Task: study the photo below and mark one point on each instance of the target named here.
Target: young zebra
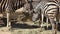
(49, 9)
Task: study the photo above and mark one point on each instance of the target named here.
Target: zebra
(51, 12)
(5, 7)
(9, 6)
(49, 9)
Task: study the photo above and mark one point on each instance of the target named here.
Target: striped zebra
(9, 6)
(5, 7)
(13, 5)
(49, 9)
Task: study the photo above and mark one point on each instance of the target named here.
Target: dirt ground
(32, 31)
(4, 30)
(25, 30)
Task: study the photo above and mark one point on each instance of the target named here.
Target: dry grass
(32, 31)
(5, 30)
(26, 31)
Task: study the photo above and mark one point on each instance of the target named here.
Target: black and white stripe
(11, 4)
(3, 5)
(49, 9)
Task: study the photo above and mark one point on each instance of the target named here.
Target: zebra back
(46, 9)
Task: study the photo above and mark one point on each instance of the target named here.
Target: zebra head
(35, 15)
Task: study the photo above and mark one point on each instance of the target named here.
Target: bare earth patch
(4, 30)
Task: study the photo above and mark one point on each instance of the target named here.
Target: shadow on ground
(3, 23)
(50, 27)
(26, 26)
(23, 26)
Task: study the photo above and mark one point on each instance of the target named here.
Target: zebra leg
(56, 25)
(8, 23)
(53, 25)
(42, 21)
(47, 23)
(7, 19)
